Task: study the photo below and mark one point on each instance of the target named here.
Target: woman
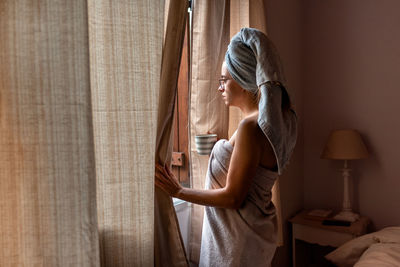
(239, 226)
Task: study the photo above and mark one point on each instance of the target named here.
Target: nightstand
(311, 230)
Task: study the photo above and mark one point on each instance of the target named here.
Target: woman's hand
(166, 180)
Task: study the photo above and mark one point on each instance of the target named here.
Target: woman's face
(230, 89)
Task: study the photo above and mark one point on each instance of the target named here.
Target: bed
(381, 248)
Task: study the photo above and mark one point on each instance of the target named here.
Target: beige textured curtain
(207, 110)
(47, 169)
(169, 249)
(79, 90)
(126, 38)
(214, 23)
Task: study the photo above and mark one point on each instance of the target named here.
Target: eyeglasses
(222, 82)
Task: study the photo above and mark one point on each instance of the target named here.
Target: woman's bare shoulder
(250, 126)
(247, 127)
(250, 131)
(257, 140)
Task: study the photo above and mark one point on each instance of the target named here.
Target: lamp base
(347, 216)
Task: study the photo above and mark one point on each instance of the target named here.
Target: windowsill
(180, 204)
(178, 201)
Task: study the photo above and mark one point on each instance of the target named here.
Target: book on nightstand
(318, 214)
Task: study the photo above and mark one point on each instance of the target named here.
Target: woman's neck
(248, 108)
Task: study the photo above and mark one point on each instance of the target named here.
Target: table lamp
(345, 145)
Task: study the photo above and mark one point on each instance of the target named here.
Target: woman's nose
(221, 89)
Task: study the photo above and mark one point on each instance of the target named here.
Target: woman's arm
(213, 197)
(245, 159)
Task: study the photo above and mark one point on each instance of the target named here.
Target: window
(180, 154)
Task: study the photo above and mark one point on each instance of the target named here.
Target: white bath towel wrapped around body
(242, 237)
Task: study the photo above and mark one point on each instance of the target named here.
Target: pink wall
(342, 58)
(351, 72)
(284, 28)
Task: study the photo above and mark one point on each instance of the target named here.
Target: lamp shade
(344, 145)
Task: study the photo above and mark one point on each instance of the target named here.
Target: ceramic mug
(205, 143)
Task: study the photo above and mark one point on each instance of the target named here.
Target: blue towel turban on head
(253, 62)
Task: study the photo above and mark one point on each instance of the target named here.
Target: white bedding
(381, 248)
(380, 254)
